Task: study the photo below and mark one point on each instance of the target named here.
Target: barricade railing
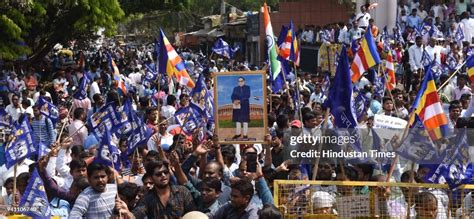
(355, 199)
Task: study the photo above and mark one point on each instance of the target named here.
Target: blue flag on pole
(22, 144)
(459, 35)
(203, 98)
(107, 118)
(361, 103)
(340, 99)
(134, 129)
(81, 93)
(5, 119)
(48, 109)
(455, 167)
(222, 48)
(190, 118)
(35, 198)
(425, 58)
(108, 152)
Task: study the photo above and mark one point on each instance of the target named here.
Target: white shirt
(37, 95)
(94, 89)
(21, 168)
(308, 36)
(166, 139)
(468, 27)
(168, 111)
(14, 112)
(434, 51)
(457, 93)
(81, 135)
(319, 98)
(135, 78)
(415, 54)
(364, 19)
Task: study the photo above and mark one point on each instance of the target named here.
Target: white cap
(258, 148)
(322, 199)
(195, 215)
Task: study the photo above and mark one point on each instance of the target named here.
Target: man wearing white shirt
(363, 17)
(78, 126)
(415, 53)
(317, 96)
(94, 88)
(468, 26)
(433, 50)
(15, 109)
(169, 110)
(461, 89)
(166, 139)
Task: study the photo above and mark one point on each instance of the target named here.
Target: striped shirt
(91, 204)
(43, 131)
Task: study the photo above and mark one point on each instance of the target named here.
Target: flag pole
(320, 146)
(452, 75)
(299, 96)
(395, 160)
(64, 124)
(14, 185)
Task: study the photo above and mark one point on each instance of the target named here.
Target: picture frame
(237, 104)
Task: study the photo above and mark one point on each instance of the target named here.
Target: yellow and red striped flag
(390, 68)
(365, 58)
(429, 110)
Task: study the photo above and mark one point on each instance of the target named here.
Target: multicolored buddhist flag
(428, 108)
(365, 58)
(470, 68)
(171, 63)
(390, 70)
(117, 76)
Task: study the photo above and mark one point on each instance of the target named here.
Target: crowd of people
(172, 174)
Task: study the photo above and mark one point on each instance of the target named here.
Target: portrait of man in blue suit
(241, 108)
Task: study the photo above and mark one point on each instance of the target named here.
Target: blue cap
(90, 141)
(165, 147)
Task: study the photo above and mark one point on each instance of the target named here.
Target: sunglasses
(160, 173)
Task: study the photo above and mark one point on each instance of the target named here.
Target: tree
(33, 28)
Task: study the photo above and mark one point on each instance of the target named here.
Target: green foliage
(43, 23)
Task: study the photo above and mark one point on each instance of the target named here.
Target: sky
(226, 84)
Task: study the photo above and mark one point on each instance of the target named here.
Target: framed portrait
(241, 114)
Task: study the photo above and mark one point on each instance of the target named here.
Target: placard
(355, 206)
(387, 126)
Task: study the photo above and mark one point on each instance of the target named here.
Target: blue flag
(22, 144)
(49, 110)
(135, 129)
(326, 85)
(385, 39)
(81, 93)
(108, 152)
(190, 118)
(360, 104)
(203, 98)
(222, 48)
(417, 146)
(459, 35)
(35, 198)
(451, 62)
(425, 58)
(455, 167)
(398, 34)
(107, 118)
(5, 119)
(340, 99)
